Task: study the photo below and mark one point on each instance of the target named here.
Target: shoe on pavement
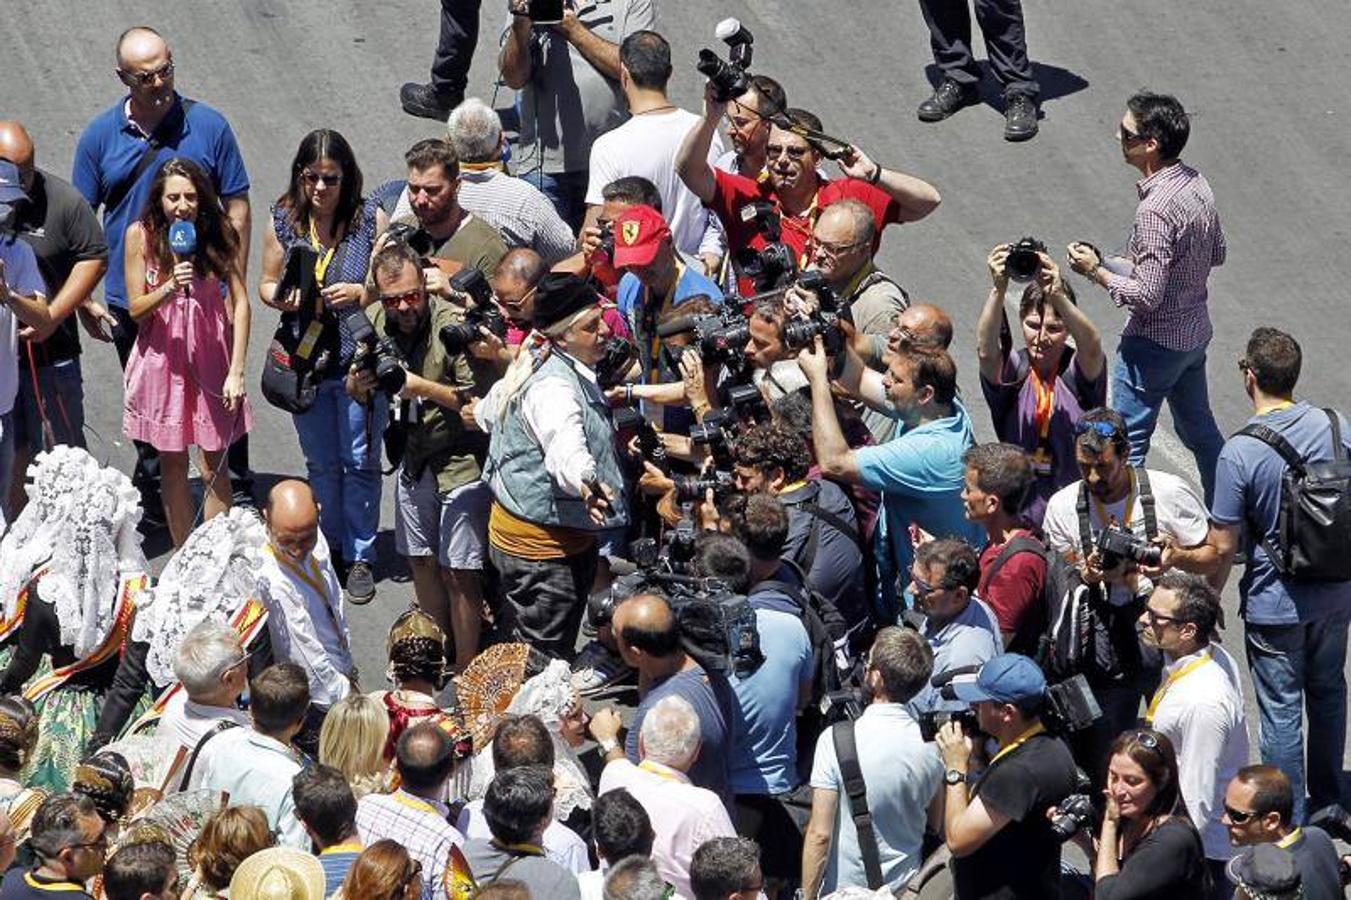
(360, 583)
(1020, 118)
(426, 102)
(947, 98)
(598, 668)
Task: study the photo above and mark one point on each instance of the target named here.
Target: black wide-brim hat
(559, 296)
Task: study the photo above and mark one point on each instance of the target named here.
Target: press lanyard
(1031, 732)
(1129, 508)
(659, 770)
(1175, 677)
(655, 357)
(518, 849)
(1289, 839)
(795, 486)
(325, 255)
(316, 581)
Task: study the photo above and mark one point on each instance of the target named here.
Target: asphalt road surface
(1270, 132)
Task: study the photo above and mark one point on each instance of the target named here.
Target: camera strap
(157, 142)
(846, 754)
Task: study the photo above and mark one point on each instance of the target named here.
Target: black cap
(560, 295)
(1264, 869)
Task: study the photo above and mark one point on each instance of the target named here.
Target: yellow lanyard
(655, 377)
(405, 799)
(316, 581)
(325, 256)
(1172, 679)
(1284, 404)
(1021, 739)
(659, 770)
(1127, 511)
(518, 849)
(1289, 839)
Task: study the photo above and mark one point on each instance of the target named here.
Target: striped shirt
(1175, 241)
(518, 210)
(337, 861)
(421, 826)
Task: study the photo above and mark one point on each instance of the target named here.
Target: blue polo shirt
(970, 639)
(629, 300)
(110, 148)
(23, 277)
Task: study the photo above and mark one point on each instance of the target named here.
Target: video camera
(1069, 706)
(379, 356)
(730, 79)
(775, 265)
(483, 313)
(720, 337)
(1116, 545)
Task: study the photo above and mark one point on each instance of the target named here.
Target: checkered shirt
(421, 826)
(1175, 241)
(518, 210)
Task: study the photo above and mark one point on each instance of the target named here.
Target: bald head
(424, 758)
(293, 518)
(17, 147)
(647, 631)
(846, 221)
(923, 326)
(521, 264)
(140, 44)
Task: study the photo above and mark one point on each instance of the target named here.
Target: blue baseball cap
(11, 189)
(1008, 678)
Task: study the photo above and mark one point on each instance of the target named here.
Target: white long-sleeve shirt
(1202, 714)
(307, 623)
(553, 414)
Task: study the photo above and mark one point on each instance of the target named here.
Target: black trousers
(1001, 23)
(544, 599)
(455, 49)
(146, 474)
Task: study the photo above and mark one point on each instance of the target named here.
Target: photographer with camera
(1147, 846)
(996, 824)
(441, 503)
(1037, 394)
(899, 773)
(1199, 705)
(563, 60)
(1259, 808)
(553, 467)
(747, 119)
(1122, 527)
(793, 188)
(960, 627)
(920, 473)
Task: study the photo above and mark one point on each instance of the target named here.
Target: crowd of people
(660, 429)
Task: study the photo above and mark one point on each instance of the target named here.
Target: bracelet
(628, 394)
(876, 176)
(608, 745)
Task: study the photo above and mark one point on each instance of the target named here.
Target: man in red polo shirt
(793, 184)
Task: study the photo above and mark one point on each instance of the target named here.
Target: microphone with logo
(183, 242)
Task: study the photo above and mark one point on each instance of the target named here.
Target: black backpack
(827, 630)
(1060, 648)
(1313, 526)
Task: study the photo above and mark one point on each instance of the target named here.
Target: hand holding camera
(995, 262)
(954, 745)
(1084, 258)
(814, 362)
(854, 163)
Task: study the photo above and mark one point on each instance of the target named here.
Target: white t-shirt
(647, 145)
(1177, 508)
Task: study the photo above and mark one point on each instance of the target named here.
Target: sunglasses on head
(1102, 429)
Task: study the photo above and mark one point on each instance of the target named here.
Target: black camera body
(720, 337)
(799, 333)
(1022, 262)
(1070, 706)
(775, 265)
(650, 446)
(731, 78)
(618, 357)
(931, 722)
(459, 337)
(379, 356)
(607, 241)
(417, 238)
(1073, 814)
(1116, 545)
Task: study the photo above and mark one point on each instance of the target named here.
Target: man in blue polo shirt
(1295, 632)
(961, 629)
(116, 160)
(920, 472)
(656, 280)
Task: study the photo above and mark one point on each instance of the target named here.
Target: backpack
(827, 630)
(1313, 524)
(805, 558)
(1059, 650)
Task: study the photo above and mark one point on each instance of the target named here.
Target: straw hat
(278, 873)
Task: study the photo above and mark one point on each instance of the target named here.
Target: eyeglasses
(1102, 429)
(313, 179)
(1238, 816)
(101, 843)
(394, 301)
(835, 251)
(1125, 135)
(1155, 618)
(922, 588)
(794, 153)
(164, 72)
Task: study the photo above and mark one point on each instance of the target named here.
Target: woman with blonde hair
(228, 838)
(352, 740)
(384, 871)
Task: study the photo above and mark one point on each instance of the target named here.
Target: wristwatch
(954, 776)
(608, 745)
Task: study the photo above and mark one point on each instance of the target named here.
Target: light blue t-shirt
(971, 639)
(1248, 489)
(902, 773)
(919, 474)
(764, 718)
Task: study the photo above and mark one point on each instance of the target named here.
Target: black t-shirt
(1316, 858)
(1023, 859)
(1167, 864)
(62, 229)
(24, 885)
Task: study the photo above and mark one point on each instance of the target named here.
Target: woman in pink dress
(185, 377)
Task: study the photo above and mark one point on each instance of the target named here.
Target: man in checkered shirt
(415, 815)
(1175, 241)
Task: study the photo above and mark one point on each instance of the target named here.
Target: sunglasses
(1125, 135)
(1102, 429)
(1148, 740)
(394, 301)
(1237, 816)
(922, 588)
(313, 179)
(835, 251)
(165, 71)
(1156, 618)
(774, 151)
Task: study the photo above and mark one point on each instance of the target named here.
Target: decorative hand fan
(181, 817)
(485, 689)
(148, 756)
(457, 878)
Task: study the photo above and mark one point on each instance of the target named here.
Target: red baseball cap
(639, 231)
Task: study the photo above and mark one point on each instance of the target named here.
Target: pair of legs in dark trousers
(1001, 23)
(455, 49)
(543, 600)
(146, 474)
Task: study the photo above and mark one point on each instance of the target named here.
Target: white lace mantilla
(210, 577)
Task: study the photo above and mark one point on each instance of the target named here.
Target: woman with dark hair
(385, 871)
(106, 779)
(1148, 848)
(1037, 394)
(323, 210)
(185, 375)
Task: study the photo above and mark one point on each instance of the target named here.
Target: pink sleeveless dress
(177, 370)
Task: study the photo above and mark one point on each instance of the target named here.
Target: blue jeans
(1294, 668)
(345, 478)
(565, 190)
(1145, 375)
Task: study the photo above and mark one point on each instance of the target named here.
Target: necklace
(655, 109)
